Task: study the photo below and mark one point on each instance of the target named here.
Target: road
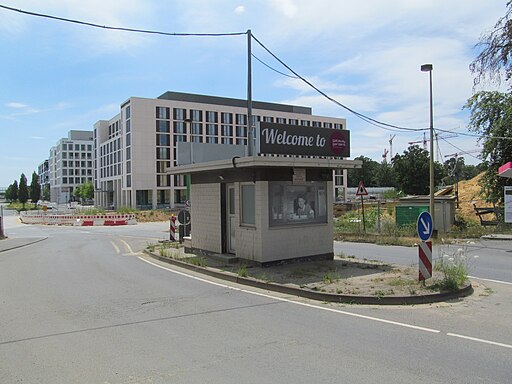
(85, 306)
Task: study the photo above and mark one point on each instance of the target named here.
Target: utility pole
(250, 135)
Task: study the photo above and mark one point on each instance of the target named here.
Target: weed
(331, 277)
(242, 271)
(151, 247)
(199, 261)
(454, 267)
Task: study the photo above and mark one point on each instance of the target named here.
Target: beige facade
(135, 150)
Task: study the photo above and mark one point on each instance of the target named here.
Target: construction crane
(438, 136)
(385, 155)
(424, 141)
(391, 137)
(456, 155)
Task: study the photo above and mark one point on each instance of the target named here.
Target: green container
(408, 214)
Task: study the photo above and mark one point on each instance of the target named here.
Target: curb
(319, 296)
(22, 245)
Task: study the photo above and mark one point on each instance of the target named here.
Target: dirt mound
(152, 216)
(470, 192)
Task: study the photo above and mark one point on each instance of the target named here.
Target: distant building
(70, 165)
(135, 150)
(43, 172)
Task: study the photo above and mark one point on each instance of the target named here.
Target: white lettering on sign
(273, 136)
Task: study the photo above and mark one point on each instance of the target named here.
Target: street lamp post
(428, 68)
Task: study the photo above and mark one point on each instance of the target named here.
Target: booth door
(230, 218)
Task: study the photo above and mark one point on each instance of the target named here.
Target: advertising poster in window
(297, 204)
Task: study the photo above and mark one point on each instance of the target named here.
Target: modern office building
(43, 172)
(135, 150)
(70, 165)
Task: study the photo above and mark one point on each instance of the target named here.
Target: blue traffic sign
(425, 226)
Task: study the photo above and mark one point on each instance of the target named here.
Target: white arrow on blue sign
(425, 226)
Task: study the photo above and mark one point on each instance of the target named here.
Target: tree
(368, 173)
(88, 191)
(495, 56)
(491, 117)
(77, 192)
(46, 192)
(23, 190)
(35, 188)
(412, 171)
(11, 194)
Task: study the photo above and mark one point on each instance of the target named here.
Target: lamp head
(427, 67)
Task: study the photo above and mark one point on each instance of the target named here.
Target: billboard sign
(284, 139)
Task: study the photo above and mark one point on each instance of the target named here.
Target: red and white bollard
(172, 228)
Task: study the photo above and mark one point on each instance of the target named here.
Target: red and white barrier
(425, 260)
(78, 220)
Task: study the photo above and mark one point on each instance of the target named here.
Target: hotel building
(135, 150)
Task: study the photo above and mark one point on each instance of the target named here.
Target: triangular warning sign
(361, 190)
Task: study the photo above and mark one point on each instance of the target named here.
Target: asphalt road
(84, 306)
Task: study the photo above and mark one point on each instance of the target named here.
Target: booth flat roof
(264, 162)
(505, 170)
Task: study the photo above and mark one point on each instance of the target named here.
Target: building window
(128, 181)
(241, 141)
(179, 114)
(227, 130)
(162, 112)
(227, 118)
(293, 122)
(196, 115)
(227, 140)
(127, 112)
(197, 128)
(163, 140)
(128, 153)
(128, 126)
(128, 140)
(280, 120)
(211, 129)
(128, 167)
(180, 127)
(305, 123)
(163, 126)
(178, 138)
(241, 119)
(163, 153)
(268, 119)
(197, 139)
(241, 131)
(338, 126)
(297, 204)
(248, 201)
(327, 125)
(212, 139)
(212, 117)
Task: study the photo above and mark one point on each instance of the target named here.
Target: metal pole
(2, 235)
(432, 186)
(250, 137)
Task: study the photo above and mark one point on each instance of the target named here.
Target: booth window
(297, 204)
(248, 204)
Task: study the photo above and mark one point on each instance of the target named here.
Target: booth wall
(206, 217)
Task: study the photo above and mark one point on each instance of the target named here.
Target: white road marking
(127, 246)
(480, 340)
(115, 247)
(296, 302)
(491, 280)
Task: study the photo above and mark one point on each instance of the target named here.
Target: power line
(118, 28)
(273, 69)
(460, 149)
(368, 119)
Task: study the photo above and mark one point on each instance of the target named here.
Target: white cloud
(239, 10)
(16, 105)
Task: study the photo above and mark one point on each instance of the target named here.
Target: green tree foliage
(23, 192)
(35, 188)
(491, 117)
(369, 173)
(88, 191)
(495, 55)
(456, 170)
(11, 194)
(46, 192)
(412, 171)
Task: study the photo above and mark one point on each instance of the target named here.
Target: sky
(366, 54)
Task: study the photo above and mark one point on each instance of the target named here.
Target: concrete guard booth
(274, 205)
